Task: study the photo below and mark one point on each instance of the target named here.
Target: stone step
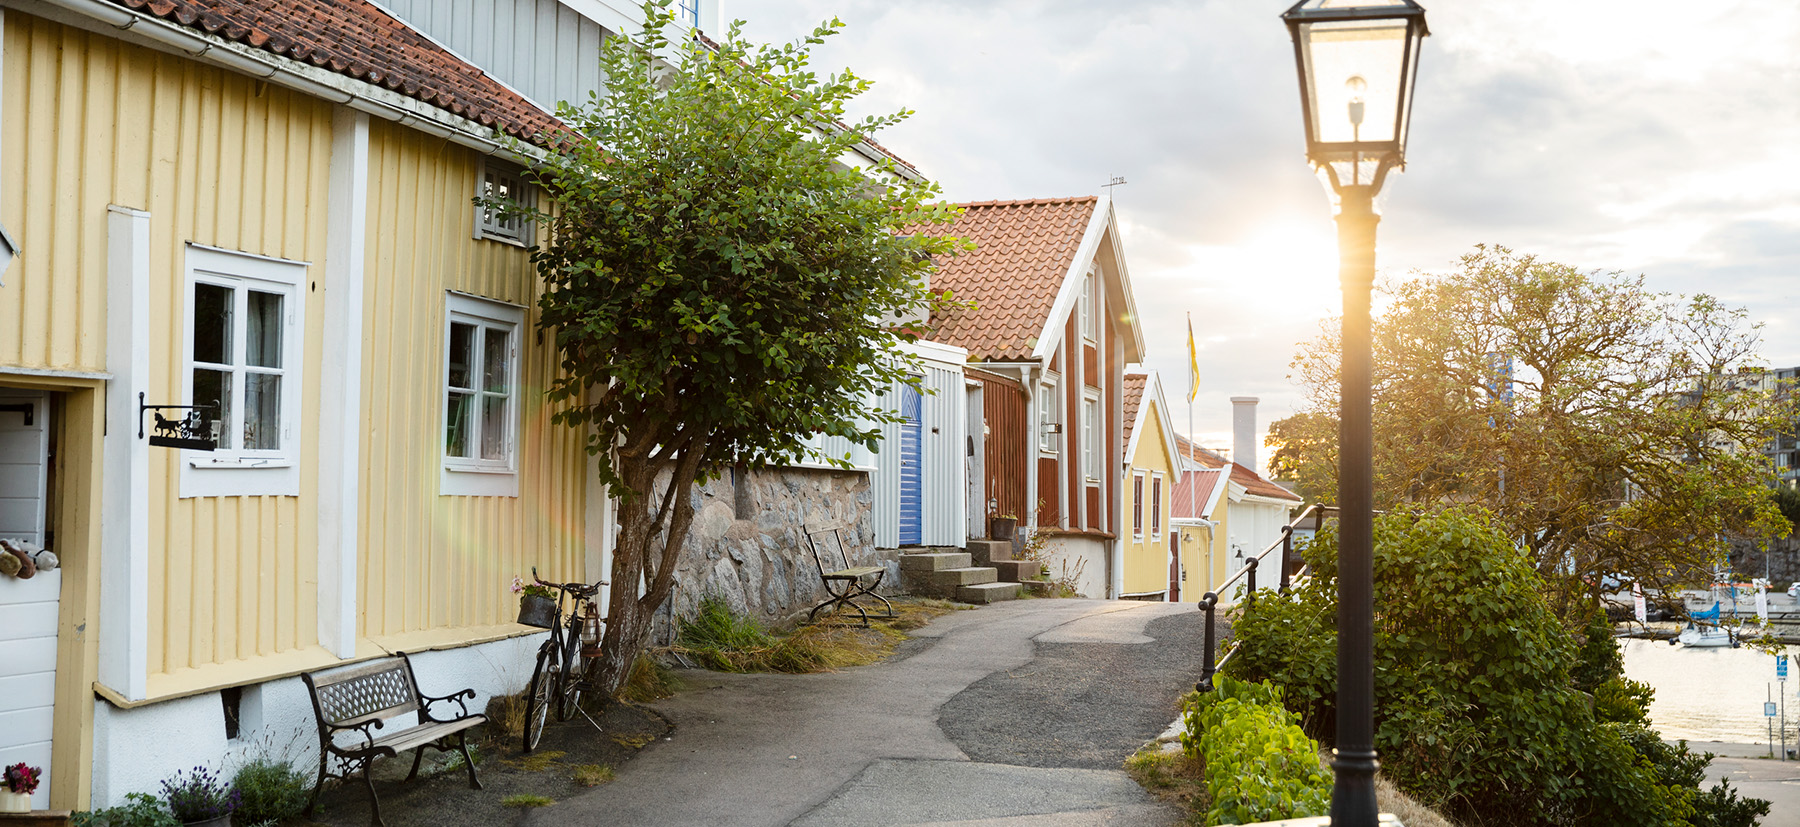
(987, 592)
(988, 552)
(1041, 588)
(947, 579)
(935, 561)
(1015, 571)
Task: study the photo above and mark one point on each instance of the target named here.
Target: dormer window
(502, 180)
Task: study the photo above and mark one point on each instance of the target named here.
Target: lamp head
(1358, 60)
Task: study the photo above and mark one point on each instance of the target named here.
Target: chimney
(1243, 431)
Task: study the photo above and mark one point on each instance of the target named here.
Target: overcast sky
(1650, 137)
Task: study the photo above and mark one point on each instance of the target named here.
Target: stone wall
(746, 544)
(1781, 560)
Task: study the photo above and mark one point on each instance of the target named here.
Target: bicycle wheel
(540, 694)
(569, 694)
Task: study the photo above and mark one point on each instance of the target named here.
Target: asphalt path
(1013, 715)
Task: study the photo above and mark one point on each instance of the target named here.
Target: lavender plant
(199, 794)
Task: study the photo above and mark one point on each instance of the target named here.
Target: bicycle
(563, 660)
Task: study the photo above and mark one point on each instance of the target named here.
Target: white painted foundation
(135, 749)
(1090, 554)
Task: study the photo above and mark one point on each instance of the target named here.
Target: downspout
(1028, 380)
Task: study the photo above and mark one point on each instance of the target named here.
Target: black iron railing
(1313, 516)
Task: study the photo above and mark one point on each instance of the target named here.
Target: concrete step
(948, 579)
(1014, 571)
(934, 561)
(987, 592)
(988, 552)
(1041, 588)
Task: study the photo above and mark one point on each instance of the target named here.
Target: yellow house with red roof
(1151, 465)
(1225, 513)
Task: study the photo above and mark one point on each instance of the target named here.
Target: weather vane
(1116, 180)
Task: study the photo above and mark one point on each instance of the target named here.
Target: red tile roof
(355, 39)
(1193, 491)
(1023, 251)
(1252, 482)
(1134, 395)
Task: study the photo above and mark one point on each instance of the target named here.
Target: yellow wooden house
(218, 205)
(1150, 570)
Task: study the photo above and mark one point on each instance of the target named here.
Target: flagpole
(1193, 390)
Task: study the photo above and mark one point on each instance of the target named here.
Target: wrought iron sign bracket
(193, 431)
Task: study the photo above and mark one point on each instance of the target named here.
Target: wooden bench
(363, 698)
(843, 581)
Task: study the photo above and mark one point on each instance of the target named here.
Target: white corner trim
(125, 490)
(1070, 291)
(340, 390)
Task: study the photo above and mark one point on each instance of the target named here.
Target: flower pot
(215, 821)
(537, 610)
(11, 802)
(1001, 528)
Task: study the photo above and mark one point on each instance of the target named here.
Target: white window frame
(1090, 436)
(1048, 405)
(241, 472)
(473, 476)
(1137, 505)
(488, 226)
(1090, 308)
(1157, 512)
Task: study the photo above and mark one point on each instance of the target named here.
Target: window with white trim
(1156, 509)
(1090, 438)
(502, 180)
(1137, 505)
(241, 365)
(481, 396)
(1090, 308)
(1047, 419)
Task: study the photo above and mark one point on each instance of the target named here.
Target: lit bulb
(1355, 86)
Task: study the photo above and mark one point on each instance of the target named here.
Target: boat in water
(1702, 629)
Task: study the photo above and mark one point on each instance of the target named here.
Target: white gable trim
(1066, 296)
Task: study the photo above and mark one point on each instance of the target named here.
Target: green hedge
(1260, 766)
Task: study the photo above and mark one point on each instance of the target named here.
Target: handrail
(1210, 601)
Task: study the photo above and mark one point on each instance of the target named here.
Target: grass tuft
(592, 775)
(526, 800)
(1171, 775)
(633, 741)
(649, 681)
(540, 761)
(726, 641)
(506, 716)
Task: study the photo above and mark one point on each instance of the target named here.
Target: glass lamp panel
(1341, 5)
(462, 355)
(213, 310)
(262, 411)
(262, 334)
(213, 388)
(1349, 62)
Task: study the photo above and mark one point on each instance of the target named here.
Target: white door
(27, 607)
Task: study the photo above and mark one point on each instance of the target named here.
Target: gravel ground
(1079, 705)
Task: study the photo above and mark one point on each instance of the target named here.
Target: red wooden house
(1048, 340)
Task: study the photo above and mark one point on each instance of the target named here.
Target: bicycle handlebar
(576, 589)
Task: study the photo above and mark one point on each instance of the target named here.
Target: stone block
(935, 561)
(987, 592)
(987, 552)
(948, 579)
(1014, 571)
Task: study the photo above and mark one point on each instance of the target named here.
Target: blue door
(912, 478)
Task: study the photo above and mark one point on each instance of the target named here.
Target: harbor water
(1713, 694)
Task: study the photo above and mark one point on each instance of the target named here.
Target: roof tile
(1023, 251)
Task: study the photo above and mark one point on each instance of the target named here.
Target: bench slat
(859, 571)
(426, 733)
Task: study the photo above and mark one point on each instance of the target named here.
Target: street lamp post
(1357, 63)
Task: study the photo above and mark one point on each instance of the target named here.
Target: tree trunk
(639, 560)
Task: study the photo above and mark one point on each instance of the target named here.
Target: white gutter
(310, 80)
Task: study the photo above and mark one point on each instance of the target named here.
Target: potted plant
(537, 604)
(199, 798)
(1002, 526)
(17, 786)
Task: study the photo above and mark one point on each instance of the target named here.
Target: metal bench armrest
(365, 729)
(425, 702)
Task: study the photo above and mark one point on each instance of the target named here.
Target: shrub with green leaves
(139, 810)
(1486, 708)
(1260, 766)
(272, 791)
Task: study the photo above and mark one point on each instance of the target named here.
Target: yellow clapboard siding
(436, 562)
(1147, 560)
(216, 159)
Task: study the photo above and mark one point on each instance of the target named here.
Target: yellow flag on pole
(1193, 362)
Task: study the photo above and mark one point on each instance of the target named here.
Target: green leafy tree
(720, 286)
(1626, 439)
(1486, 708)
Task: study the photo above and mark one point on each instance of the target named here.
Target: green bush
(139, 810)
(272, 791)
(1260, 766)
(1486, 708)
